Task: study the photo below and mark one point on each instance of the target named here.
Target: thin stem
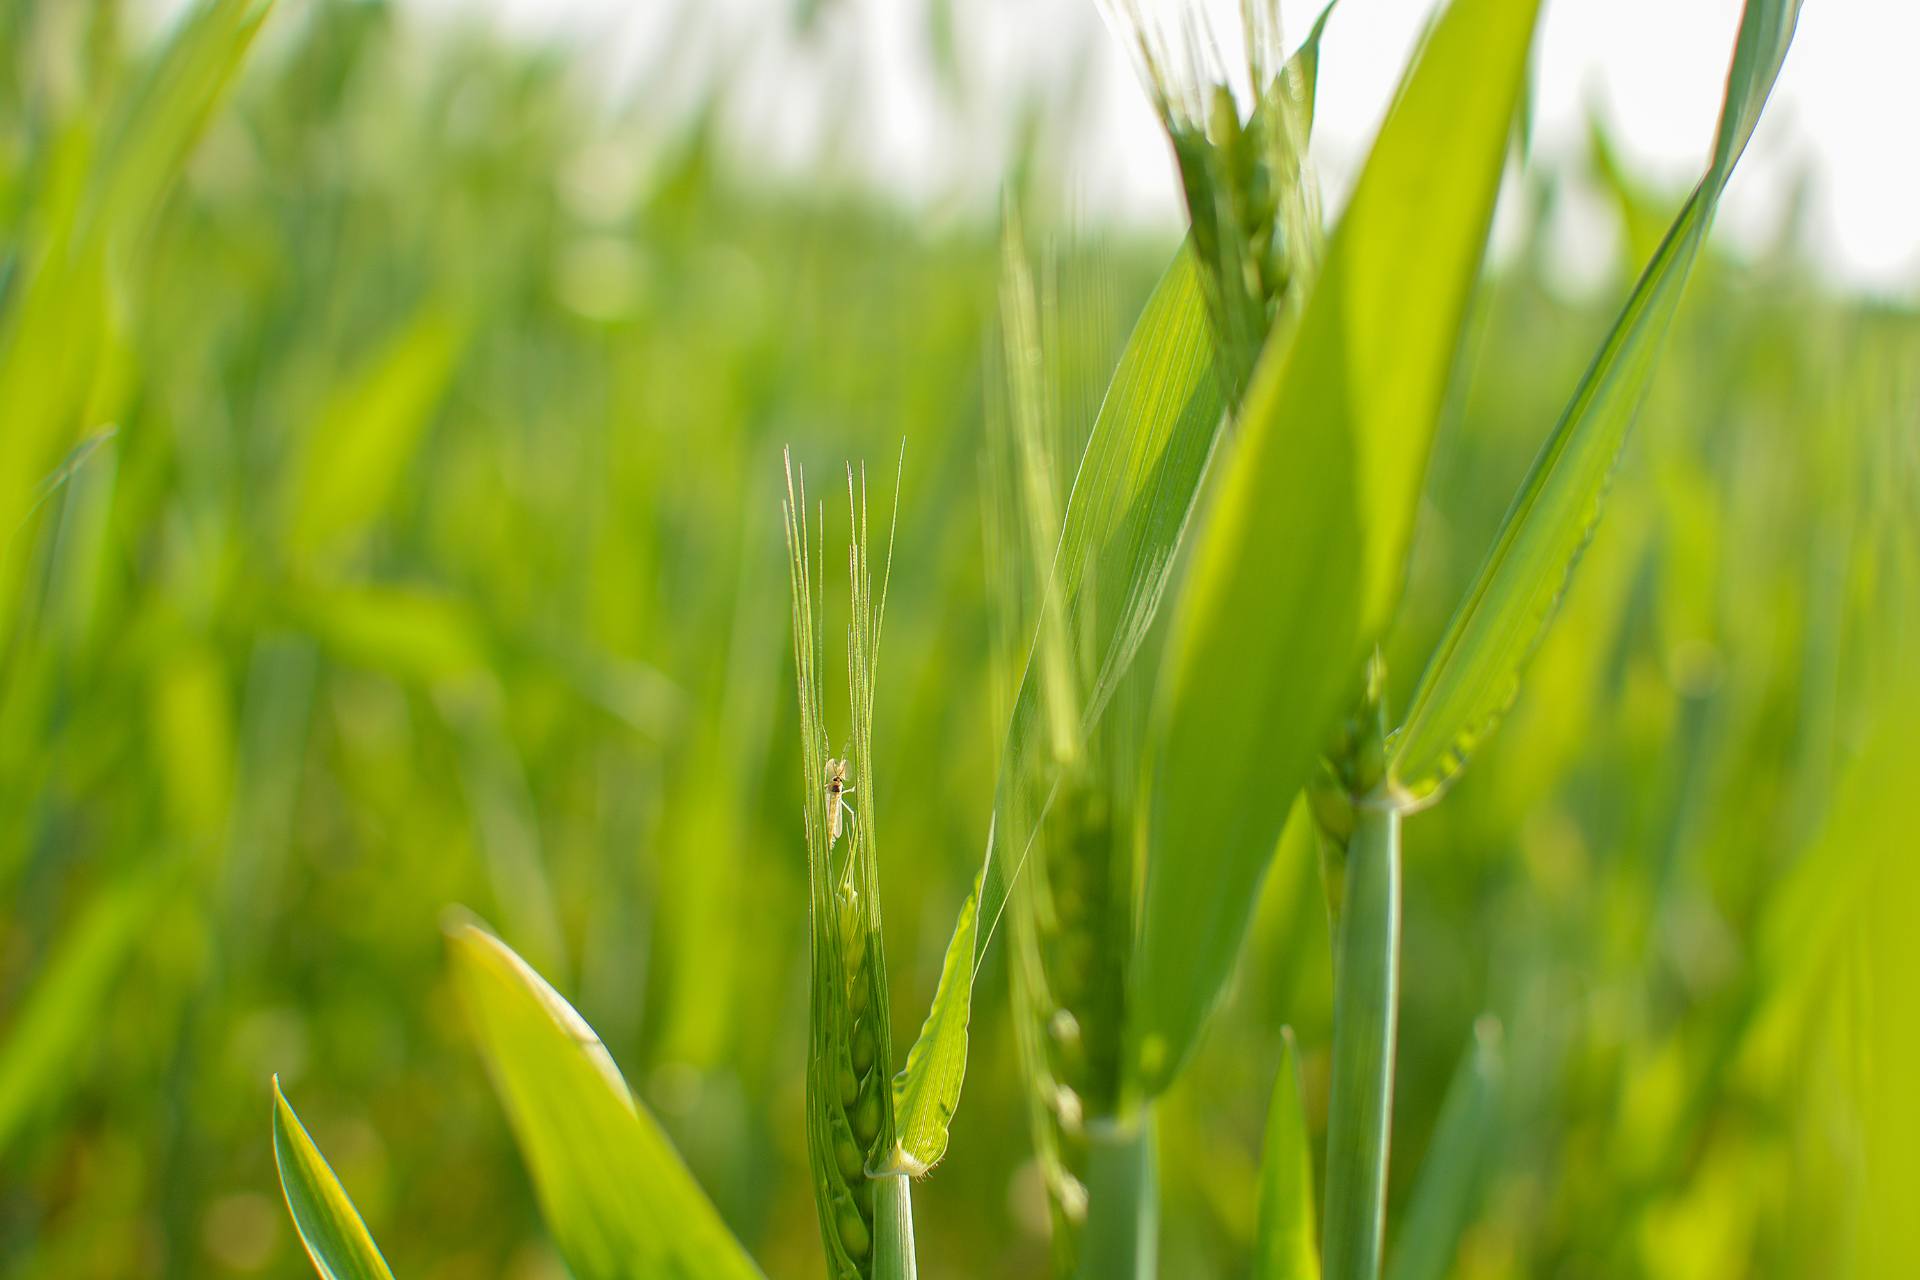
(1366, 1006)
(1122, 1237)
(893, 1228)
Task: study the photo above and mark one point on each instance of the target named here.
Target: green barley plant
(617, 1199)
(862, 1191)
(387, 432)
(1072, 911)
(1299, 560)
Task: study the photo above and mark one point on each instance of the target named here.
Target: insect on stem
(838, 788)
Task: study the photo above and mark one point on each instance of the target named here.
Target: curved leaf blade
(331, 1229)
(926, 1091)
(1131, 497)
(1455, 1168)
(1474, 674)
(1283, 1247)
(1297, 570)
(615, 1194)
(1130, 502)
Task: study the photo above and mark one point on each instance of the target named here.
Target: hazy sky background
(1846, 112)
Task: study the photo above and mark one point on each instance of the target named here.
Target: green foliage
(57, 1017)
(859, 1168)
(1474, 675)
(330, 1227)
(530, 660)
(614, 1193)
(1283, 1247)
(1452, 1174)
(1267, 648)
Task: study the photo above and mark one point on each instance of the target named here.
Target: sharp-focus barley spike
(850, 1123)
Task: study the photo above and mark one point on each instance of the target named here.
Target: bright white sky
(1847, 109)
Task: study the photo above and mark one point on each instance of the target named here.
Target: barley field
(1389, 764)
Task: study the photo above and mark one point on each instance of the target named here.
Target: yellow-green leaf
(364, 437)
(1474, 674)
(335, 1237)
(620, 1203)
(1299, 564)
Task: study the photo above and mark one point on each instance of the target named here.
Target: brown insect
(837, 789)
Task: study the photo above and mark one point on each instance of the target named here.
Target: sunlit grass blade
(1130, 500)
(1131, 497)
(618, 1199)
(860, 1174)
(331, 1229)
(1474, 674)
(1298, 566)
(926, 1092)
(1456, 1165)
(1283, 1243)
(362, 439)
(58, 330)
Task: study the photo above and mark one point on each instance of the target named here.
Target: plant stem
(1122, 1238)
(893, 1228)
(1366, 1006)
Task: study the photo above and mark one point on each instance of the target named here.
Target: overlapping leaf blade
(57, 330)
(331, 1229)
(1456, 1162)
(618, 1199)
(1130, 501)
(1474, 674)
(1300, 563)
(1283, 1246)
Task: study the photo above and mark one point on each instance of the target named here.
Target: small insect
(837, 789)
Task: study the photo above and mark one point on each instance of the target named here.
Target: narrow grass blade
(336, 1239)
(927, 1089)
(1365, 1014)
(46, 1037)
(1131, 497)
(619, 1201)
(1456, 1163)
(57, 321)
(1298, 567)
(361, 442)
(1474, 674)
(1130, 502)
(1283, 1244)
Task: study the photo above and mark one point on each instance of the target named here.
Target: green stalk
(893, 1228)
(1366, 1006)
(1123, 1203)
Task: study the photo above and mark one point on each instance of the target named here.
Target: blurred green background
(389, 459)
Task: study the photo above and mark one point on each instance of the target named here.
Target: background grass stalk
(1366, 1007)
(1122, 1236)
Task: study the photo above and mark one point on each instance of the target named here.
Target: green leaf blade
(1131, 497)
(330, 1228)
(1474, 675)
(1130, 502)
(1298, 568)
(926, 1092)
(618, 1199)
(1455, 1168)
(1284, 1246)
